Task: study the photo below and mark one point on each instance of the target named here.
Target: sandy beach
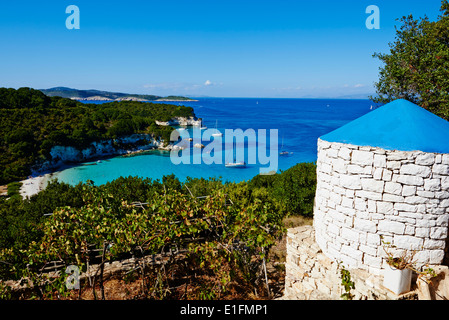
(33, 185)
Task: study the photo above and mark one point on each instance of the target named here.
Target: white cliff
(181, 121)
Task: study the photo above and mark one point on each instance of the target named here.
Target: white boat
(234, 164)
(217, 133)
(283, 152)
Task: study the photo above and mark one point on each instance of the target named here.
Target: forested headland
(31, 124)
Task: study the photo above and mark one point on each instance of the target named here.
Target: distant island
(97, 95)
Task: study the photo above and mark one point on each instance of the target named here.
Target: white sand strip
(34, 185)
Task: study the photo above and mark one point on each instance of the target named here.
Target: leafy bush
(295, 189)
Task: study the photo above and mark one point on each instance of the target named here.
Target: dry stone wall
(311, 275)
(367, 195)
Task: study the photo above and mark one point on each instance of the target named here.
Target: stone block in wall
(422, 233)
(406, 242)
(372, 207)
(365, 225)
(372, 185)
(368, 195)
(352, 182)
(332, 153)
(404, 207)
(387, 175)
(409, 230)
(392, 227)
(442, 220)
(373, 239)
(377, 174)
(425, 223)
(393, 188)
(363, 158)
(350, 193)
(441, 169)
(347, 202)
(372, 260)
(356, 169)
(426, 194)
(445, 183)
(384, 207)
(432, 184)
(345, 153)
(397, 155)
(324, 144)
(380, 161)
(325, 168)
(394, 165)
(415, 170)
(360, 204)
(444, 159)
(392, 198)
(350, 234)
(441, 195)
(408, 191)
(416, 200)
(425, 159)
(438, 233)
(339, 190)
(431, 244)
(436, 257)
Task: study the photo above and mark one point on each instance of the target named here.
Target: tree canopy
(416, 68)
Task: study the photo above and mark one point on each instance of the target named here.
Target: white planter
(398, 281)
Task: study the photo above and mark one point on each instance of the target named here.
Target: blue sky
(244, 48)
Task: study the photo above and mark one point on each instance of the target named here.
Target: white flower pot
(398, 281)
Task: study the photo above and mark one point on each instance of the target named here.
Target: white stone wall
(364, 193)
(311, 275)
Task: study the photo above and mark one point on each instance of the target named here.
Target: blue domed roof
(398, 125)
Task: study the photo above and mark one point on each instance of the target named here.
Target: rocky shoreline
(63, 157)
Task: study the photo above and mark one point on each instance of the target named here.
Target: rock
(393, 227)
(393, 188)
(415, 170)
(364, 158)
(352, 182)
(372, 185)
(410, 180)
(425, 159)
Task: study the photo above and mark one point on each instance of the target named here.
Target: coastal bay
(307, 120)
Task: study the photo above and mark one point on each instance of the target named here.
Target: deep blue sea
(299, 123)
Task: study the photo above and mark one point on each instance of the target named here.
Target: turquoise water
(299, 123)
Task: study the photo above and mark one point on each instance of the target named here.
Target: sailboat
(283, 152)
(217, 133)
(234, 164)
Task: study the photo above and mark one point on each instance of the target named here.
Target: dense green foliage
(31, 123)
(416, 69)
(224, 213)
